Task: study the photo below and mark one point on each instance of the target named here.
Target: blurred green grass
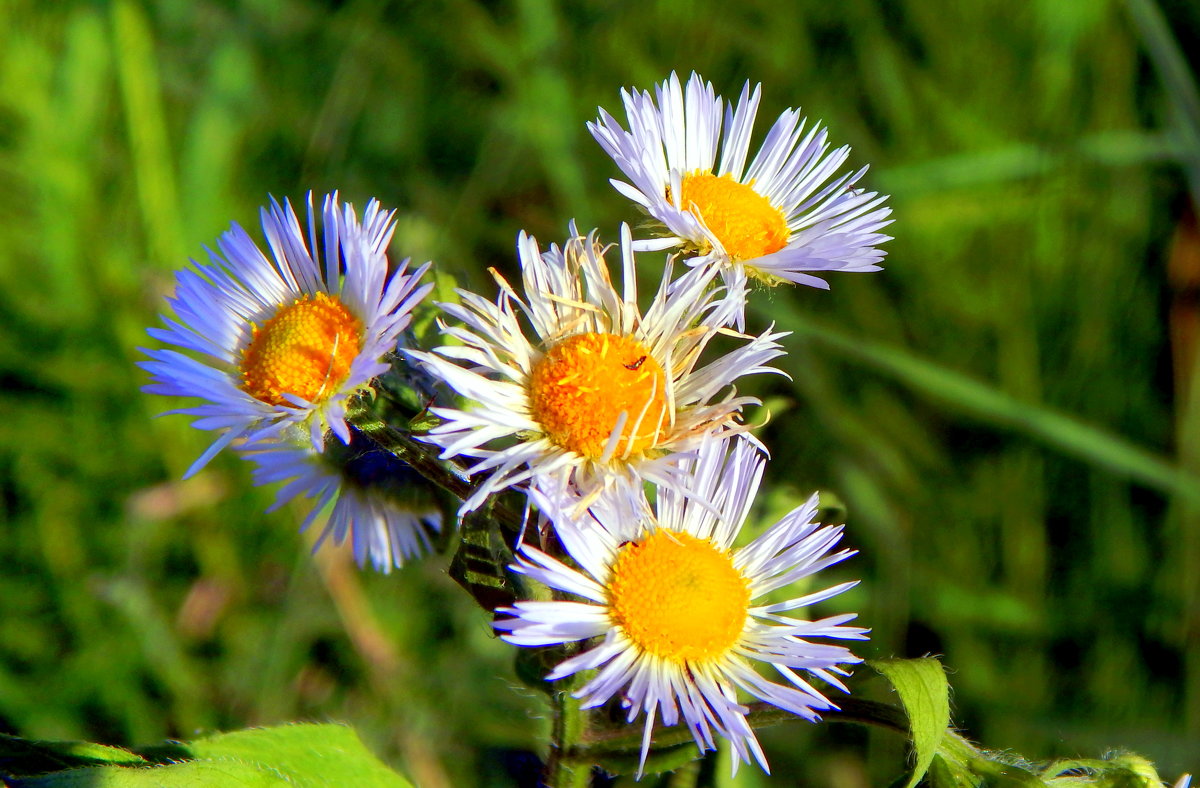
(1000, 409)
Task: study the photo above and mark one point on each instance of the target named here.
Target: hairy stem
(424, 459)
(564, 767)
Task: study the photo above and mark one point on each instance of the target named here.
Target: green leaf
(292, 756)
(18, 756)
(1118, 770)
(949, 773)
(1003, 775)
(925, 694)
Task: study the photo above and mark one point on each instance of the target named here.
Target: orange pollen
(744, 221)
(305, 350)
(580, 388)
(678, 597)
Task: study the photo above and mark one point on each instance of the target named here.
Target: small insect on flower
(673, 611)
(602, 394)
(284, 342)
(776, 220)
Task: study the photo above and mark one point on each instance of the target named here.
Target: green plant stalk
(424, 459)
(574, 748)
(565, 768)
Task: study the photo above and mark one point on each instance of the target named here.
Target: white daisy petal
(378, 501)
(602, 394)
(283, 343)
(674, 602)
(771, 220)
(550, 622)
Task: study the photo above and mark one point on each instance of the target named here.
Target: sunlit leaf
(296, 756)
(925, 694)
(949, 773)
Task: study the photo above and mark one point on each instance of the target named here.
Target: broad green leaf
(192, 774)
(291, 756)
(308, 750)
(925, 694)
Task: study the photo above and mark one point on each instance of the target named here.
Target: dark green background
(1002, 409)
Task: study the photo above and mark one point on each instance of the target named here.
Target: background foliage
(1004, 410)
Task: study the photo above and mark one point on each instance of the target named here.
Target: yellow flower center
(678, 597)
(583, 384)
(305, 350)
(744, 221)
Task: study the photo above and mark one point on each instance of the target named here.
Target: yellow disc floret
(678, 597)
(580, 388)
(305, 350)
(745, 222)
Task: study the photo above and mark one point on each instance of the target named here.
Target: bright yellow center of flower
(305, 350)
(745, 222)
(583, 384)
(678, 597)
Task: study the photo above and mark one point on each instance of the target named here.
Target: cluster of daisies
(613, 418)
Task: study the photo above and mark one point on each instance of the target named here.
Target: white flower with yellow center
(603, 394)
(678, 611)
(287, 340)
(778, 219)
(385, 508)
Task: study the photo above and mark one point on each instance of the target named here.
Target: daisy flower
(677, 613)
(284, 342)
(601, 394)
(384, 506)
(775, 220)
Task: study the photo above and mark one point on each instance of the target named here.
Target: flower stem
(424, 459)
(564, 768)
